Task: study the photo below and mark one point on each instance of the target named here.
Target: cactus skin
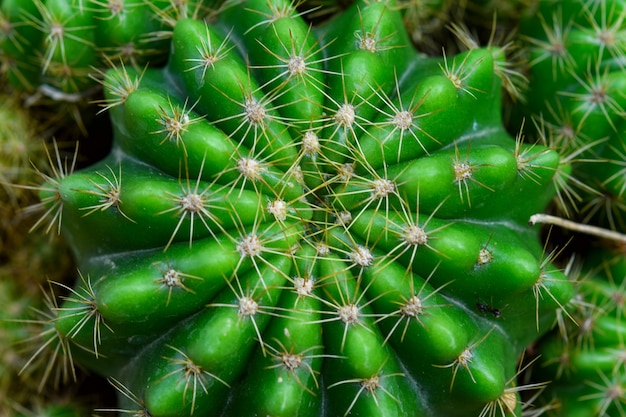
(55, 48)
(327, 231)
(576, 59)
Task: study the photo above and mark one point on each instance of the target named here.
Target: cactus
(585, 360)
(575, 70)
(27, 261)
(576, 62)
(54, 50)
(300, 220)
(28, 258)
(575, 96)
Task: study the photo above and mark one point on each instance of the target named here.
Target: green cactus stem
(309, 220)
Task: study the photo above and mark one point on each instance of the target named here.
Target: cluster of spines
(300, 245)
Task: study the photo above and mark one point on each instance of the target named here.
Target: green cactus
(55, 49)
(575, 96)
(300, 220)
(576, 63)
(585, 360)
